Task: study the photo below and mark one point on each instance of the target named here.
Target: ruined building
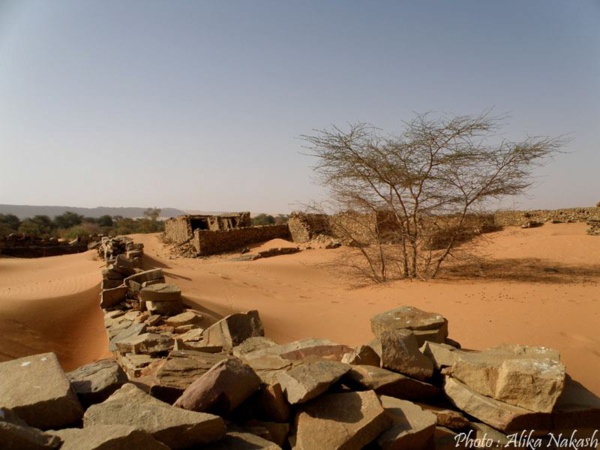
(213, 234)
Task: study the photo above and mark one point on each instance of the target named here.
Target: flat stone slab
(112, 297)
(426, 326)
(340, 421)
(412, 427)
(185, 318)
(103, 437)
(309, 380)
(174, 427)
(95, 382)
(302, 349)
(161, 292)
(15, 434)
(145, 344)
(235, 440)
(38, 391)
(234, 329)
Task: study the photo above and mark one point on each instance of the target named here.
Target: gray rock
(234, 329)
(220, 390)
(15, 434)
(347, 421)
(161, 292)
(174, 427)
(112, 297)
(400, 353)
(412, 428)
(252, 344)
(142, 277)
(425, 326)
(105, 437)
(133, 330)
(311, 379)
(38, 391)
(95, 382)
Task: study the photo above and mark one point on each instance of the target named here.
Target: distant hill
(24, 211)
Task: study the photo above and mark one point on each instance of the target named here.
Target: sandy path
(51, 304)
(307, 295)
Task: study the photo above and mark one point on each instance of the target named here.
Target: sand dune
(535, 286)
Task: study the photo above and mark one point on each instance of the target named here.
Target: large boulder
(15, 434)
(104, 437)
(528, 377)
(234, 329)
(497, 414)
(412, 428)
(39, 392)
(174, 427)
(347, 421)
(95, 382)
(309, 380)
(220, 390)
(425, 326)
(400, 353)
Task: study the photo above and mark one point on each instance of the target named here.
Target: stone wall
(304, 227)
(519, 218)
(21, 246)
(213, 242)
(178, 230)
(181, 229)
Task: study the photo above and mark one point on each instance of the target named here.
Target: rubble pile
(178, 381)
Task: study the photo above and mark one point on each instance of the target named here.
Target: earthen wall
(208, 242)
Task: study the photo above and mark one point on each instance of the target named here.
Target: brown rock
(161, 292)
(425, 326)
(442, 355)
(412, 428)
(222, 389)
(38, 391)
(15, 434)
(273, 404)
(252, 344)
(400, 353)
(305, 348)
(174, 427)
(340, 421)
(145, 276)
(186, 318)
(447, 418)
(311, 379)
(235, 440)
(146, 344)
(170, 308)
(113, 437)
(232, 330)
(95, 382)
(385, 382)
(362, 355)
(112, 297)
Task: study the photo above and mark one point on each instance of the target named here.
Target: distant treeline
(267, 219)
(71, 225)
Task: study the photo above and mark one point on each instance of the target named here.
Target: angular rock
(235, 440)
(133, 330)
(38, 391)
(442, 355)
(15, 434)
(269, 367)
(309, 380)
(499, 415)
(123, 265)
(362, 355)
(104, 437)
(400, 353)
(234, 329)
(385, 382)
(110, 284)
(425, 326)
(220, 390)
(142, 277)
(340, 421)
(95, 382)
(174, 427)
(252, 344)
(447, 418)
(179, 372)
(147, 344)
(185, 318)
(112, 297)
(273, 404)
(412, 428)
(165, 308)
(134, 364)
(161, 292)
(305, 348)
(528, 377)
(278, 432)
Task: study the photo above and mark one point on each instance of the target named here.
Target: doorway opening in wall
(199, 224)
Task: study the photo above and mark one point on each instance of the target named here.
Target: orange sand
(541, 290)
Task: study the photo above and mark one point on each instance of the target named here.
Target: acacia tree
(437, 167)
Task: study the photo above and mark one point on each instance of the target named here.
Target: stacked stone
(111, 247)
(593, 227)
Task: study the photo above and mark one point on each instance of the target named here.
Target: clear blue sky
(199, 104)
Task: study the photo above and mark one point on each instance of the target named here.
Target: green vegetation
(71, 225)
(267, 219)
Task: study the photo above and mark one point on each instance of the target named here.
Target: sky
(200, 105)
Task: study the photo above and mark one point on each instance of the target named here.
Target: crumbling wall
(304, 227)
(23, 246)
(181, 229)
(178, 229)
(208, 242)
(519, 218)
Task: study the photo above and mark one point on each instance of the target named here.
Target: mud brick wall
(178, 229)
(213, 242)
(305, 227)
(19, 246)
(518, 218)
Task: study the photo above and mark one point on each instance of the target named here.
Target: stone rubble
(178, 381)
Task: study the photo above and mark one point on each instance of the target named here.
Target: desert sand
(535, 287)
